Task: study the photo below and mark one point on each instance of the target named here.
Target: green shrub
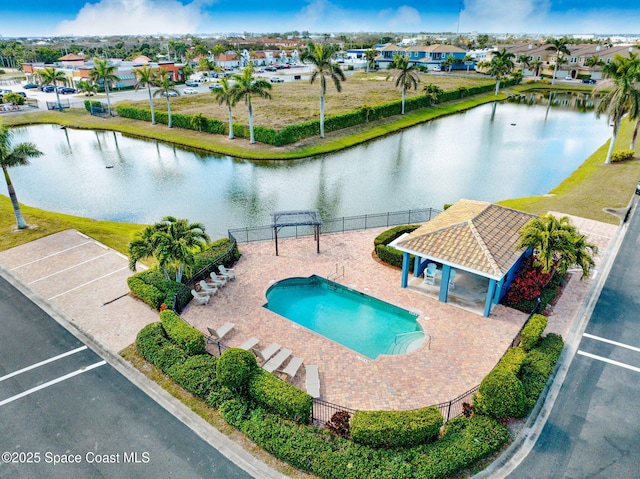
(197, 374)
(391, 255)
(235, 410)
(150, 339)
(183, 334)
(90, 104)
(512, 360)
(538, 366)
(552, 345)
(396, 428)
(218, 395)
(622, 155)
(168, 355)
(500, 395)
(147, 293)
(235, 368)
(532, 331)
(282, 397)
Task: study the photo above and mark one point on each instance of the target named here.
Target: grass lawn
(591, 187)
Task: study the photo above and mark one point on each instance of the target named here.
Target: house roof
(71, 57)
(476, 236)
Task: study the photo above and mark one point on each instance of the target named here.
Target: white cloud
(121, 17)
(496, 16)
(404, 18)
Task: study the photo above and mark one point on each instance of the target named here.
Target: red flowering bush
(529, 283)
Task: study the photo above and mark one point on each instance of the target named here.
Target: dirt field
(295, 102)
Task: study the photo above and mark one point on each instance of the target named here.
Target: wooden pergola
(282, 219)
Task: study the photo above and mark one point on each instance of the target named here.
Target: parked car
(191, 83)
(436, 69)
(270, 69)
(48, 88)
(189, 91)
(65, 90)
(276, 80)
(590, 81)
(29, 86)
(568, 77)
(215, 86)
(170, 93)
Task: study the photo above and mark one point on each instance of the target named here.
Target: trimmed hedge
(500, 395)
(465, 442)
(538, 366)
(396, 428)
(145, 292)
(292, 133)
(235, 368)
(512, 360)
(622, 155)
(390, 255)
(282, 397)
(197, 374)
(183, 334)
(532, 331)
(150, 339)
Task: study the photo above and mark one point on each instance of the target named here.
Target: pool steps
(406, 344)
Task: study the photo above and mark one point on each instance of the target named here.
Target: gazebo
(472, 236)
(282, 219)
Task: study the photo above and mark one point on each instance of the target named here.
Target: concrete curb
(526, 439)
(227, 447)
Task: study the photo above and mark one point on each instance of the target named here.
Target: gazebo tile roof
(475, 235)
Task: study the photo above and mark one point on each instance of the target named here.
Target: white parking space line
(67, 269)
(49, 255)
(87, 283)
(609, 341)
(42, 363)
(52, 382)
(610, 361)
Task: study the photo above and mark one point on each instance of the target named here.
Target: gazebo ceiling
(473, 235)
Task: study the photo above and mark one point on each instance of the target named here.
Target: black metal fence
(456, 407)
(54, 105)
(336, 225)
(323, 411)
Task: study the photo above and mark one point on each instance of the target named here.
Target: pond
(490, 153)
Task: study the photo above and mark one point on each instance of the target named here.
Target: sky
(144, 17)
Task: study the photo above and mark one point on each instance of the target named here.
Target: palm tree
(14, 156)
(433, 92)
(198, 121)
(618, 95)
(321, 56)
(501, 64)
(524, 61)
(557, 243)
(88, 88)
(370, 56)
(225, 95)
(146, 78)
(447, 64)
(560, 46)
(535, 66)
(405, 75)
(593, 61)
(246, 86)
(560, 60)
(633, 67)
(104, 73)
(51, 76)
(173, 242)
(165, 88)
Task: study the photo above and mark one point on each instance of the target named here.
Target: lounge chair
(201, 298)
(221, 332)
(207, 288)
(276, 361)
(313, 381)
(249, 343)
(430, 273)
(452, 276)
(264, 355)
(292, 368)
(218, 281)
(228, 273)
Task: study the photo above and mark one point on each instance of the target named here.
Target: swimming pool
(355, 320)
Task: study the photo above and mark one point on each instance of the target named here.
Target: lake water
(482, 154)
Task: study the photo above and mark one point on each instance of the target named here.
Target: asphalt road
(592, 431)
(75, 416)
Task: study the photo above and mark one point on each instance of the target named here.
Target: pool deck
(86, 282)
(464, 346)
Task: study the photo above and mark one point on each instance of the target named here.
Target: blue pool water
(358, 321)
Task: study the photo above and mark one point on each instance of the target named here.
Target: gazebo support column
(275, 233)
(498, 293)
(490, 292)
(405, 269)
(444, 283)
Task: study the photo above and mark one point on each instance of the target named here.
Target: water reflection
(490, 153)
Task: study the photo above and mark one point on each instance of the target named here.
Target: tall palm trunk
(404, 90)
(497, 85)
(14, 200)
(230, 124)
(153, 113)
(616, 125)
(106, 89)
(169, 121)
(321, 115)
(555, 71)
(58, 97)
(632, 146)
(252, 140)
